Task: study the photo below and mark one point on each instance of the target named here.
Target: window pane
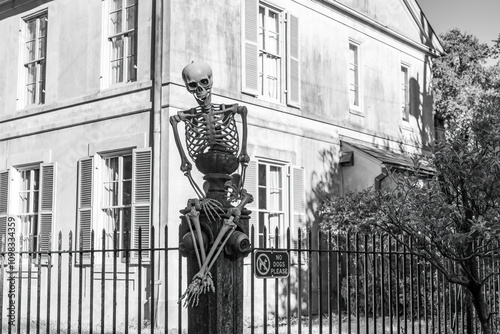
(127, 167)
(275, 200)
(115, 23)
(112, 169)
(262, 198)
(30, 94)
(131, 63)
(275, 176)
(126, 219)
(41, 47)
(272, 42)
(272, 70)
(130, 24)
(261, 73)
(23, 202)
(262, 223)
(116, 5)
(31, 30)
(261, 28)
(117, 48)
(117, 60)
(31, 79)
(30, 51)
(34, 203)
(353, 54)
(112, 219)
(262, 175)
(110, 196)
(43, 26)
(117, 71)
(127, 192)
(41, 83)
(126, 227)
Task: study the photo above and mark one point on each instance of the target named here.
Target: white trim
(21, 98)
(355, 109)
(407, 101)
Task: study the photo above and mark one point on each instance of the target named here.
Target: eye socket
(192, 84)
(204, 82)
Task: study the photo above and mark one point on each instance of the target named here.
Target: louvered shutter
(4, 200)
(46, 205)
(85, 199)
(297, 200)
(293, 62)
(251, 188)
(250, 52)
(141, 198)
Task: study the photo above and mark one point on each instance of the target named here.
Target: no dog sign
(271, 264)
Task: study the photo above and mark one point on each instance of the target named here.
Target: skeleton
(209, 129)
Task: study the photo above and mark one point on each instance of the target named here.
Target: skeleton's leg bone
(221, 247)
(226, 226)
(194, 240)
(195, 218)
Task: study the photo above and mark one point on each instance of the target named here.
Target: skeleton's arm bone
(243, 157)
(186, 166)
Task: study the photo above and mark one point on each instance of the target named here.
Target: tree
(453, 216)
(460, 75)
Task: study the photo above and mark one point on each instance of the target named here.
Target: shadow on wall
(324, 181)
(420, 101)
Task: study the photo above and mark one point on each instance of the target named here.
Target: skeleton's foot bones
(199, 285)
(202, 281)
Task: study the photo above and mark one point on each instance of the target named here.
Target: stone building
(87, 88)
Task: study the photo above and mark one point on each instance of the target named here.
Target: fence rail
(345, 283)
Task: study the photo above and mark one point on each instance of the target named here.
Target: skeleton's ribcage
(211, 132)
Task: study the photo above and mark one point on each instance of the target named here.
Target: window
(27, 195)
(353, 76)
(271, 53)
(117, 196)
(35, 51)
(114, 194)
(122, 40)
(405, 94)
(271, 206)
(279, 192)
(28, 205)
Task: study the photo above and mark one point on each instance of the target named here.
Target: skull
(197, 77)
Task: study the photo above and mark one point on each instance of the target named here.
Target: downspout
(380, 177)
(157, 103)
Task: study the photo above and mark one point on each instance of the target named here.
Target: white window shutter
(297, 200)
(251, 187)
(293, 61)
(46, 205)
(4, 201)
(250, 52)
(141, 198)
(85, 201)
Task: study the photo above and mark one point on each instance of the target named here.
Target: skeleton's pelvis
(217, 162)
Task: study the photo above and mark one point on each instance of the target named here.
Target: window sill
(406, 126)
(356, 112)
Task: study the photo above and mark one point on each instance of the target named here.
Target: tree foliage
(452, 216)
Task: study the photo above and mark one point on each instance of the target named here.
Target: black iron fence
(345, 283)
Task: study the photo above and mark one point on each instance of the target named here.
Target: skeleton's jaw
(204, 100)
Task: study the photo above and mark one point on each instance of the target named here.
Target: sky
(477, 17)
